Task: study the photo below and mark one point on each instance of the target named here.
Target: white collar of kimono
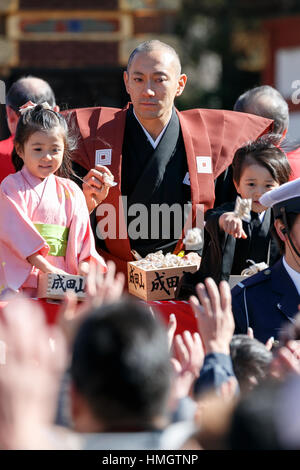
(153, 142)
(294, 275)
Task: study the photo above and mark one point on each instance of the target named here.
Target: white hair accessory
(30, 105)
(25, 107)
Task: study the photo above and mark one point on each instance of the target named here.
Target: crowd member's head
(253, 424)
(285, 202)
(258, 167)
(153, 80)
(120, 371)
(268, 418)
(267, 102)
(43, 142)
(23, 90)
(251, 361)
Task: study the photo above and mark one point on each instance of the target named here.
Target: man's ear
(12, 119)
(181, 84)
(73, 402)
(280, 229)
(82, 416)
(126, 79)
(56, 108)
(77, 409)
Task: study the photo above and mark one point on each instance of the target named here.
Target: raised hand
(214, 315)
(187, 360)
(30, 372)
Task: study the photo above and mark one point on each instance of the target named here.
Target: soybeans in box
(55, 286)
(155, 284)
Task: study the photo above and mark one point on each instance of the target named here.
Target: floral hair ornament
(25, 107)
(30, 105)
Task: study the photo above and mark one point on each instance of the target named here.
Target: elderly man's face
(153, 81)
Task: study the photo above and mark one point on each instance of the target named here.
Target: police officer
(267, 300)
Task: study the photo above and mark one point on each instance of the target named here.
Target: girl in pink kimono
(44, 220)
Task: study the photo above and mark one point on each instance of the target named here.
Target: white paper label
(103, 157)
(204, 165)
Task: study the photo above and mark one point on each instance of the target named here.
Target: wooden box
(55, 286)
(156, 284)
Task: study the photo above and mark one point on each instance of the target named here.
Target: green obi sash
(56, 236)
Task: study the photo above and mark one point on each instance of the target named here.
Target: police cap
(284, 198)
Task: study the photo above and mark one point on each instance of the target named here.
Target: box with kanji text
(155, 284)
(55, 286)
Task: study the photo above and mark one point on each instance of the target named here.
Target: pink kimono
(54, 203)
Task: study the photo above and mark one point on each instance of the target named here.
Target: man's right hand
(94, 188)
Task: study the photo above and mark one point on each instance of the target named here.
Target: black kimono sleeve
(213, 263)
(216, 241)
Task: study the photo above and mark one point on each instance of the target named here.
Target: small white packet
(242, 208)
(193, 240)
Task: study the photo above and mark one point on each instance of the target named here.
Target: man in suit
(269, 299)
(157, 155)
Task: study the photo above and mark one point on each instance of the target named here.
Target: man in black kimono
(157, 155)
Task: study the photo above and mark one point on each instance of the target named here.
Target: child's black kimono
(224, 255)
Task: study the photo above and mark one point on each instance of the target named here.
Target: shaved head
(29, 89)
(23, 90)
(267, 102)
(34, 85)
(154, 45)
